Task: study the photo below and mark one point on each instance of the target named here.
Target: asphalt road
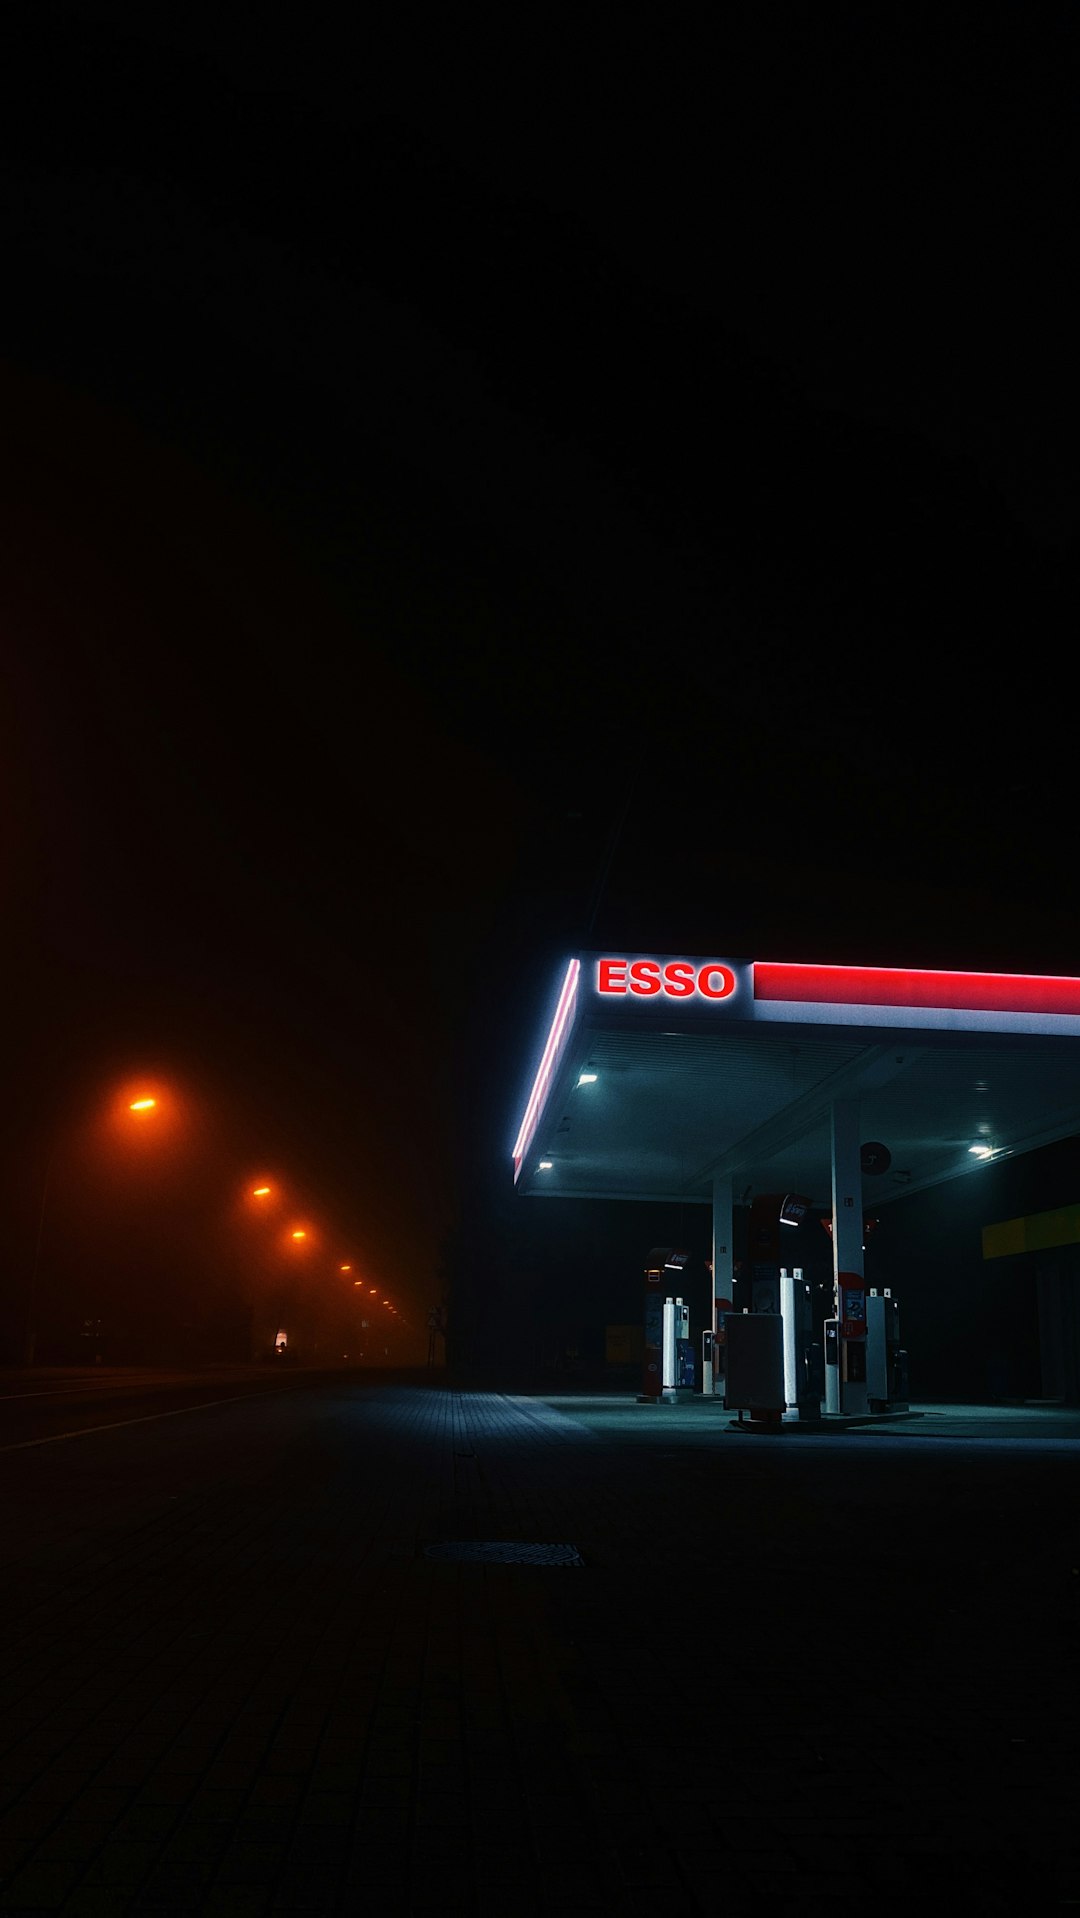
(371, 1642)
(39, 1407)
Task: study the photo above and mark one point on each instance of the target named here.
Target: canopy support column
(723, 1260)
(849, 1292)
(723, 1279)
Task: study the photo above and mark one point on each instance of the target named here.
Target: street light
(144, 1102)
(274, 1250)
(139, 1100)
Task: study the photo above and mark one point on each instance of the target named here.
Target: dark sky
(432, 461)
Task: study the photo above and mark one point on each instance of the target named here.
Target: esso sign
(675, 978)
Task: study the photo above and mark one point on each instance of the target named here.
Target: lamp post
(142, 1106)
(265, 1195)
(297, 1242)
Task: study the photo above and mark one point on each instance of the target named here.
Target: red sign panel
(939, 991)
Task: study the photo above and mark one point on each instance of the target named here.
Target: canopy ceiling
(652, 1098)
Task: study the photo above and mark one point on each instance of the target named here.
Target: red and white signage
(884, 996)
(762, 991)
(842, 995)
(674, 978)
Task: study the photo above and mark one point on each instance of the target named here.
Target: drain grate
(505, 1552)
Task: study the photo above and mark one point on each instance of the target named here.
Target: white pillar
(847, 1236)
(723, 1255)
(723, 1272)
(847, 1230)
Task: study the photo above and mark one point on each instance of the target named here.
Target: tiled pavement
(788, 1675)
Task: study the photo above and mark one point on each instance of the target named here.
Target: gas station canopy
(661, 1074)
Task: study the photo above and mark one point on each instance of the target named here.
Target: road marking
(94, 1382)
(59, 1391)
(148, 1418)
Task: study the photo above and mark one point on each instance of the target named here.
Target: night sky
(493, 491)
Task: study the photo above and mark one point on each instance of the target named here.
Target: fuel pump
(661, 1263)
(678, 1356)
(852, 1341)
(774, 1288)
(831, 1331)
(724, 1309)
(676, 1347)
(803, 1381)
(886, 1360)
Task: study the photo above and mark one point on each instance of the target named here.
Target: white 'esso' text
(677, 978)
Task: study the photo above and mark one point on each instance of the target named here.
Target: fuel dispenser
(677, 1347)
(778, 1289)
(851, 1313)
(658, 1380)
(866, 1367)
(804, 1384)
(786, 1295)
(714, 1352)
(886, 1360)
(724, 1309)
(831, 1331)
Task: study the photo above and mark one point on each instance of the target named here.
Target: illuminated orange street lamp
(145, 1102)
(300, 1239)
(260, 1192)
(346, 1268)
(137, 1098)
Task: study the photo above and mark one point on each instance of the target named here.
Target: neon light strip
(881, 986)
(541, 1084)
